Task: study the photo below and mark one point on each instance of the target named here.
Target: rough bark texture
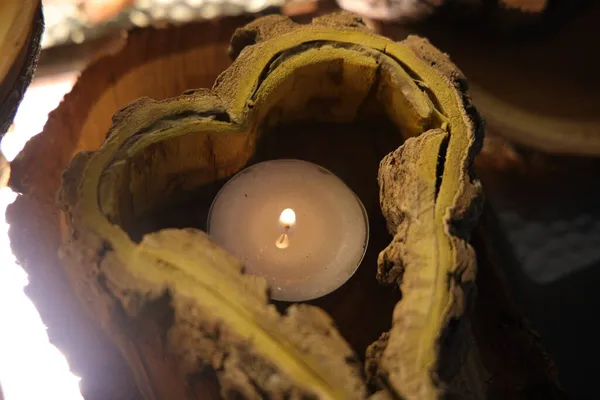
(408, 203)
(171, 57)
(178, 308)
(224, 121)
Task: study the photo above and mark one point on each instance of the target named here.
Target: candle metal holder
(148, 296)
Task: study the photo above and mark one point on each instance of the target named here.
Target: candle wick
(283, 241)
(286, 228)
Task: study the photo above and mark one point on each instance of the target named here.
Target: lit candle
(294, 223)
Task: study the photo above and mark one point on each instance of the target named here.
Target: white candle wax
(294, 223)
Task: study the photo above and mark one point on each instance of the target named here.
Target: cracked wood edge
(454, 208)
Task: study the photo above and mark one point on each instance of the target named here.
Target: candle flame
(287, 218)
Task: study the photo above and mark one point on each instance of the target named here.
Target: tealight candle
(294, 223)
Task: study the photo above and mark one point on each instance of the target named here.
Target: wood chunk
(133, 172)
(178, 308)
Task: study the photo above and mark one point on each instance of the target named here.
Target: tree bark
(152, 317)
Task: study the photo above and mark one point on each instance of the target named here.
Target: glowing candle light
(287, 219)
(294, 223)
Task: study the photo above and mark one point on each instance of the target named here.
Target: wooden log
(159, 63)
(159, 326)
(540, 154)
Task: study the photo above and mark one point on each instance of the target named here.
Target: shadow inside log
(361, 308)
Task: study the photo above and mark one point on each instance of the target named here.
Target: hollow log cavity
(180, 308)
